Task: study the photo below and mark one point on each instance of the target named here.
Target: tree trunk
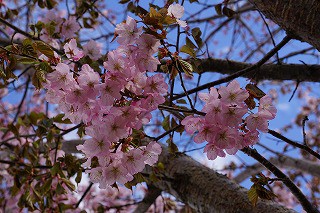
(206, 190)
(300, 18)
(199, 186)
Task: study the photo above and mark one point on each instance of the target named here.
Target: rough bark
(206, 190)
(300, 72)
(300, 18)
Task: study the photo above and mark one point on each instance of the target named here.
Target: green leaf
(59, 119)
(26, 60)
(186, 67)
(165, 123)
(46, 186)
(13, 129)
(34, 117)
(173, 123)
(69, 184)
(218, 9)
(51, 4)
(27, 42)
(181, 101)
(188, 50)
(63, 207)
(189, 43)
(81, 131)
(196, 34)
(265, 193)
(153, 177)
(38, 78)
(228, 12)
(43, 48)
(253, 195)
(172, 147)
(60, 190)
(124, 1)
(55, 169)
(79, 176)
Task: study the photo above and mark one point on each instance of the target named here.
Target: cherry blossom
(72, 51)
(177, 11)
(224, 126)
(113, 104)
(265, 104)
(70, 27)
(92, 49)
(127, 32)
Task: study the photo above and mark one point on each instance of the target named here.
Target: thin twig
(295, 90)
(293, 143)
(239, 73)
(84, 194)
(307, 206)
(303, 130)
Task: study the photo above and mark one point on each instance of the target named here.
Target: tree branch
(242, 72)
(283, 162)
(149, 199)
(307, 206)
(278, 72)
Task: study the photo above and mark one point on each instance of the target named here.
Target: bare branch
(283, 162)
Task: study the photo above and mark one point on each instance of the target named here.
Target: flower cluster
(66, 27)
(112, 105)
(223, 126)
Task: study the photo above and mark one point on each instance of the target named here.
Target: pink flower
(152, 101)
(96, 175)
(177, 11)
(156, 84)
(76, 95)
(250, 138)
(128, 31)
(98, 145)
(225, 137)
(110, 90)
(116, 172)
(258, 121)
(115, 128)
(61, 78)
(151, 153)
(233, 94)
(265, 104)
(148, 43)
(213, 152)
(116, 62)
(70, 27)
(72, 51)
(233, 115)
(92, 49)
(211, 97)
(146, 63)
(88, 80)
(53, 17)
(206, 133)
(133, 161)
(192, 124)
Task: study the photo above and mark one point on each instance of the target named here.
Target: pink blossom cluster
(223, 126)
(113, 104)
(65, 27)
